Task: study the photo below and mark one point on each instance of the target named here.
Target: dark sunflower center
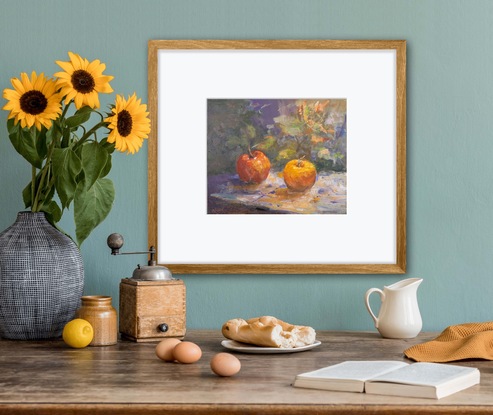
(124, 123)
(33, 102)
(83, 81)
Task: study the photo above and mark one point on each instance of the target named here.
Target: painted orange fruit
(253, 167)
(299, 175)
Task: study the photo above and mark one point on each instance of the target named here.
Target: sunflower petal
(66, 66)
(39, 82)
(79, 101)
(94, 66)
(17, 84)
(77, 61)
(26, 82)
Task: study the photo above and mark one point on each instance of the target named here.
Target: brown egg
(187, 352)
(225, 364)
(164, 349)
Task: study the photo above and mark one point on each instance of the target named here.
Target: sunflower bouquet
(48, 126)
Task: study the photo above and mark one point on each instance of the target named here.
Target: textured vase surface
(41, 279)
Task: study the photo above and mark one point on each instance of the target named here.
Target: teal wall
(449, 153)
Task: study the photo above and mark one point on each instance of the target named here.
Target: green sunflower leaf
(66, 167)
(65, 138)
(25, 144)
(91, 206)
(94, 158)
(54, 133)
(80, 117)
(52, 211)
(109, 147)
(41, 146)
(107, 167)
(12, 126)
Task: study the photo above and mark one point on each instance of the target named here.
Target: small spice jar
(98, 311)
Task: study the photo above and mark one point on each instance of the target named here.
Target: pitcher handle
(367, 302)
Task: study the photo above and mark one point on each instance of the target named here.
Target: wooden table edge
(18, 408)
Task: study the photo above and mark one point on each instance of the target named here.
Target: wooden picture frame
(175, 64)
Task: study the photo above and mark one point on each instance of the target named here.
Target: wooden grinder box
(152, 310)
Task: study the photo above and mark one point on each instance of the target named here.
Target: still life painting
(277, 156)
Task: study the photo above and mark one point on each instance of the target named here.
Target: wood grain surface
(48, 377)
(144, 305)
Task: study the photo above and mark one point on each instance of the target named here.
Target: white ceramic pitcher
(399, 316)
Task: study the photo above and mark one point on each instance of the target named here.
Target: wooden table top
(48, 377)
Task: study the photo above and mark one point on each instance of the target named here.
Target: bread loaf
(268, 331)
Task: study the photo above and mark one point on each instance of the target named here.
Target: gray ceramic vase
(41, 279)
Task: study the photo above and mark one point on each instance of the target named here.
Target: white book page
(432, 374)
(354, 370)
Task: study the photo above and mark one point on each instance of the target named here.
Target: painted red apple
(253, 167)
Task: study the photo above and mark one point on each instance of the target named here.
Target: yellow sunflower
(33, 101)
(129, 124)
(82, 81)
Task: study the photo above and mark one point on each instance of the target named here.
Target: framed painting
(278, 156)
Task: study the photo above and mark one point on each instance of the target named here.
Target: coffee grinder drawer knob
(163, 327)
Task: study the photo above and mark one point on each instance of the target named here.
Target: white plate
(246, 348)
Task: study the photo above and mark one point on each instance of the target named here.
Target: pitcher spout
(414, 282)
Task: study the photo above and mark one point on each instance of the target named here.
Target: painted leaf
(324, 154)
(268, 143)
(233, 142)
(250, 131)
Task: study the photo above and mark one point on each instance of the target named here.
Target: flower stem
(62, 117)
(33, 172)
(33, 186)
(44, 171)
(89, 133)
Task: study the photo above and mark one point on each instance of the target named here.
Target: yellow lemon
(78, 333)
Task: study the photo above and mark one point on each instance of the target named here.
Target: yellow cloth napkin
(462, 341)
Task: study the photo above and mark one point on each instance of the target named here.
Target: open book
(423, 380)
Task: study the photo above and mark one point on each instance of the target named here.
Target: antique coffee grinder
(152, 302)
